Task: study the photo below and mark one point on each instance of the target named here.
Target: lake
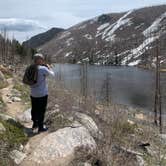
(129, 86)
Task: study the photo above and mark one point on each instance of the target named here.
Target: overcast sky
(24, 19)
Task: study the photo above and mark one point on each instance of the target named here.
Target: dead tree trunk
(157, 104)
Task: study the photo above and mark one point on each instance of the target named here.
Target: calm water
(130, 86)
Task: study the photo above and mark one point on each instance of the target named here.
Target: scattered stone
(9, 101)
(139, 130)
(163, 138)
(8, 95)
(89, 124)
(2, 128)
(17, 156)
(140, 161)
(21, 148)
(87, 164)
(15, 99)
(15, 93)
(25, 116)
(140, 116)
(56, 106)
(60, 147)
(131, 122)
(97, 112)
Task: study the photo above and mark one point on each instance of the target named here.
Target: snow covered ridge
(137, 52)
(107, 31)
(155, 26)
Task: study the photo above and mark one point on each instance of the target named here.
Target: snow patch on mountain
(82, 26)
(88, 36)
(69, 41)
(65, 35)
(68, 54)
(136, 52)
(139, 26)
(109, 30)
(155, 26)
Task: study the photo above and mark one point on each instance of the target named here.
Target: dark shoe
(42, 130)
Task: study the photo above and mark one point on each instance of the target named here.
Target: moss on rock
(10, 139)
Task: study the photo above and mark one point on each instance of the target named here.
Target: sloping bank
(83, 133)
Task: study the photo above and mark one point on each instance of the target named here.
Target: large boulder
(62, 147)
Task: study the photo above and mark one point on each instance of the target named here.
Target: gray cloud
(22, 25)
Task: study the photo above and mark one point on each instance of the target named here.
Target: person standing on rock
(39, 93)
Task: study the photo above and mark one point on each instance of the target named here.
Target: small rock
(56, 106)
(17, 156)
(15, 99)
(139, 130)
(87, 164)
(21, 148)
(140, 116)
(8, 95)
(2, 128)
(25, 116)
(163, 138)
(97, 112)
(140, 161)
(131, 122)
(9, 101)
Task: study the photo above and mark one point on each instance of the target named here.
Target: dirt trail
(12, 108)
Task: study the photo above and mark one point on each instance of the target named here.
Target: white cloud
(27, 17)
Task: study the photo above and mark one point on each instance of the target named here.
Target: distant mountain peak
(42, 38)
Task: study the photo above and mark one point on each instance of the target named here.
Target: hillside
(118, 38)
(42, 38)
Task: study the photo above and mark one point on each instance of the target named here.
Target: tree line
(12, 52)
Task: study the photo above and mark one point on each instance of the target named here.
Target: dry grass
(112, 120)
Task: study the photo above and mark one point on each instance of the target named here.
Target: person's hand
(48, 66)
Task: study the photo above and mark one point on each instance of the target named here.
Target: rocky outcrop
(89, 123)
(61, 147)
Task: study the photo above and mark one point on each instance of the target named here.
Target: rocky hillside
(43, 38)
(118, 38)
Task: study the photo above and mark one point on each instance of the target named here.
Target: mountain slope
(118, 38)
(43, 38)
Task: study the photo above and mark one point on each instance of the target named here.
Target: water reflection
(124, 85)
